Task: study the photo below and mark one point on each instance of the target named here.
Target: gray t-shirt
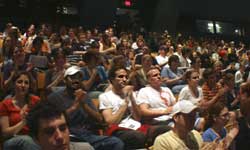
(80, 145)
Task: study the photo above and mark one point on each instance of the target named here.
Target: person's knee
(20, 141)
(141, 137)
(117, 143)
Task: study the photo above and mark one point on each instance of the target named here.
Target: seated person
(182, 136)
(192, 92)
(120, 111)
(218, 118)
(232, 99)
(49, 128)
(13, 112)
(140, 74)
(212, 91)
(81, 111)
(94, 75)
(155, 102)
(54, 76)
(173, 77)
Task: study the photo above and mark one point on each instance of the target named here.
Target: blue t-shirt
(101, 78)
(76, 119)
(167, 72)
(209, 135)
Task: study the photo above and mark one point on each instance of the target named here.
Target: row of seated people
(131, 116)
(149, 108)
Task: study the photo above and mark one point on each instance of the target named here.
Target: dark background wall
(156, 15)
(96, 12)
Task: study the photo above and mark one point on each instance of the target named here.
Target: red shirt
(7, 108)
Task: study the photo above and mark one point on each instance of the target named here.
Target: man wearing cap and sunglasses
(81, 111)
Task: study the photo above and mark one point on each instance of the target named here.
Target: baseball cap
(183, 106)
(71, 71)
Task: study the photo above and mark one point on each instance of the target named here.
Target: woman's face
(194, 79)
(22, 85)
(223, 117)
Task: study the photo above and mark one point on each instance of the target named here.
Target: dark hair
(244, 107)
(185, 50)
(245, 88)
(112, 74)
(214, 111)
(194, 59)
(89, 55)
(94, 45)
(37, 40)
(117, 60)
(228, 78)
(188, 73)
(18, 75)
(173, 58)
(55, 53)
(207, 72)
(42, 110)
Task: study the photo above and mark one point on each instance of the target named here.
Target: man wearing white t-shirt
(155, 102)
(121, 112)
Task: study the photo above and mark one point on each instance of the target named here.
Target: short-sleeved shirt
(161, 60)
(156, 100)
(186, 94)
(77, 119)
(171, 141)
(167, 72)
(7, 108)
(110, 100)
(101, 78)
(208, 93)
(209, 135)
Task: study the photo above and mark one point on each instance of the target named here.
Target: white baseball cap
(71, 71)
(183, 106)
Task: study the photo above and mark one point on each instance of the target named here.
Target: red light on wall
(128, 3)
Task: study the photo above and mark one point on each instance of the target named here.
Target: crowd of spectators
(127, 90)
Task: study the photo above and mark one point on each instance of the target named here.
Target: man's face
(154, 78)
(186, 120)
(53, 134)
(74, 81)
(120, 79)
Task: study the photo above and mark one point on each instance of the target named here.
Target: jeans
(98, 142)
(20, 142)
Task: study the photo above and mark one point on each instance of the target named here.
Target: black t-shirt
(243, 137)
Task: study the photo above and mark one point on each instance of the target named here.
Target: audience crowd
(75, 88)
